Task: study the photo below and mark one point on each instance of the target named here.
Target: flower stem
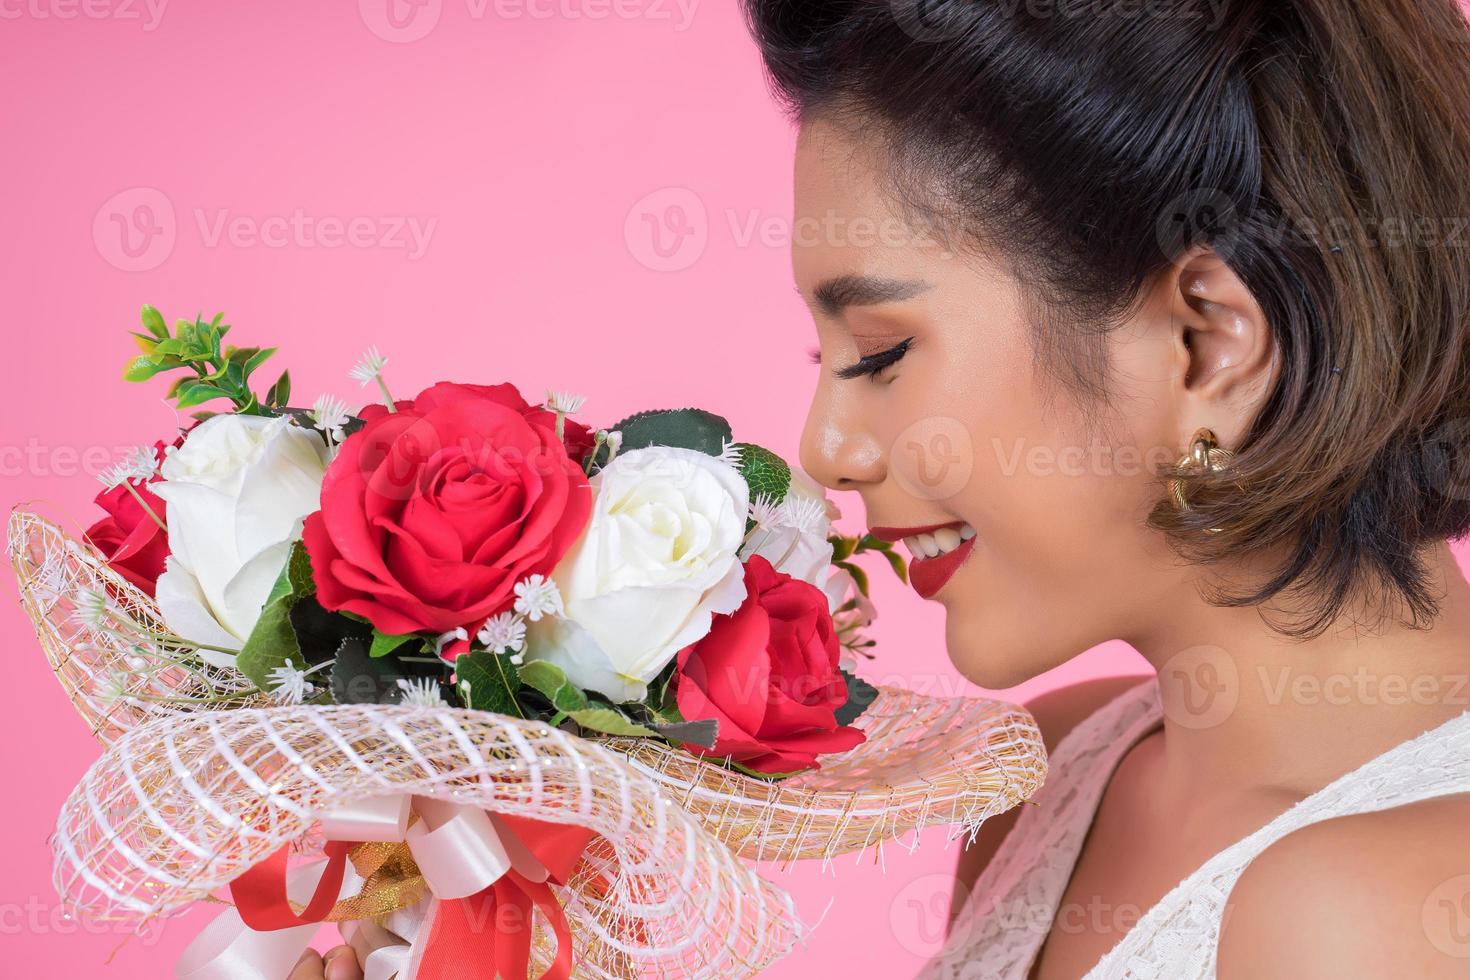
(144, 504)
(387, 398)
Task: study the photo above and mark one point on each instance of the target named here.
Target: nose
(838, 448)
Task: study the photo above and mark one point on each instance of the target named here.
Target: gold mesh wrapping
(203, 777)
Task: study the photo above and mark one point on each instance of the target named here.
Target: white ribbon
(461, 850)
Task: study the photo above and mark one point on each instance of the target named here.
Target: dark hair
(1318, 145)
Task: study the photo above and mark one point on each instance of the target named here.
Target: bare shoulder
(1367, 895)
(1056, 712)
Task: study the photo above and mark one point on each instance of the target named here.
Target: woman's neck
(1248, 709)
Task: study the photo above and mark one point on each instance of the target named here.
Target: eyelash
(873, 364)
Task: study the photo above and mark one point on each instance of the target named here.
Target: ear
(1223, 346)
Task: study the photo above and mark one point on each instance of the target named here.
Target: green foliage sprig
(217, 370)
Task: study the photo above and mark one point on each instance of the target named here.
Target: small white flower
(765, 512)
(420, 692)
(804, 514)
(730, 453)
(614, 443)
(565, 402)
(330, 415)
(140, 464)
(503, 632)
(289, 685)
(371, 365)
(537, 596)
(444, 639)
(91, 608)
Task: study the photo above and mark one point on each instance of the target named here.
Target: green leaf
(703, 732)
(842, 547)
(860, 694)
(683, 428)
(142, 368)
(319, 632)
(193, 393)
(487, 682)
(899, 566)
(551, 680)
(359, 679)
(766, 474)
(385, 643)
(257, 359)
(153, 322)
(859, 574)
(610, 722)
(273, 643)
(280, 392)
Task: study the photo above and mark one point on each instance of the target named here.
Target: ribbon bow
(482, 869)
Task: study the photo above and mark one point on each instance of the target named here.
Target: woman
(1225, 238)
(1068, 251)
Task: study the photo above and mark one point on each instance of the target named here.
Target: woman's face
(959, 431)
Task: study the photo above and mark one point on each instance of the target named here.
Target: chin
(997, 655)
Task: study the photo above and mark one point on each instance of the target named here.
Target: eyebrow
(837, 294)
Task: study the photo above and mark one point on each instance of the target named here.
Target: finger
(309, 967)
(341, 964)
(368, 935)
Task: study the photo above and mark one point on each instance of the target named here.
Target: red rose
(431, 514)
(768, 674)
(133, 543)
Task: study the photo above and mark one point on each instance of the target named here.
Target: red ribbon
(455, 950)
(458, 946)
(260, 893)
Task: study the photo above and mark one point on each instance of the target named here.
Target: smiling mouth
(938, 552)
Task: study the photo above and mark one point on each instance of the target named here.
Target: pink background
(536, 145)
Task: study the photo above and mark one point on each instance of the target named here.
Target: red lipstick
(929, 575)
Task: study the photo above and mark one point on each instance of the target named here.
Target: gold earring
(1205, 455)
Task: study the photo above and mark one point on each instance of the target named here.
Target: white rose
(657, 561)
(237, 491)
(794, 540)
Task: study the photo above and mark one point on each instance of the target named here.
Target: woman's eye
(874, 363)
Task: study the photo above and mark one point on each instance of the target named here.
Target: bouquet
(467, 650)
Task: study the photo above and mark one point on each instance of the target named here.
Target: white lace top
(1000, 930)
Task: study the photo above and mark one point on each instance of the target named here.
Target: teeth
(940, 542)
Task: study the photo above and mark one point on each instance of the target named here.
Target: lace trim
(1177, 939)
(1001, 928)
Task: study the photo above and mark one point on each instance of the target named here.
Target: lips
(938, 552)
